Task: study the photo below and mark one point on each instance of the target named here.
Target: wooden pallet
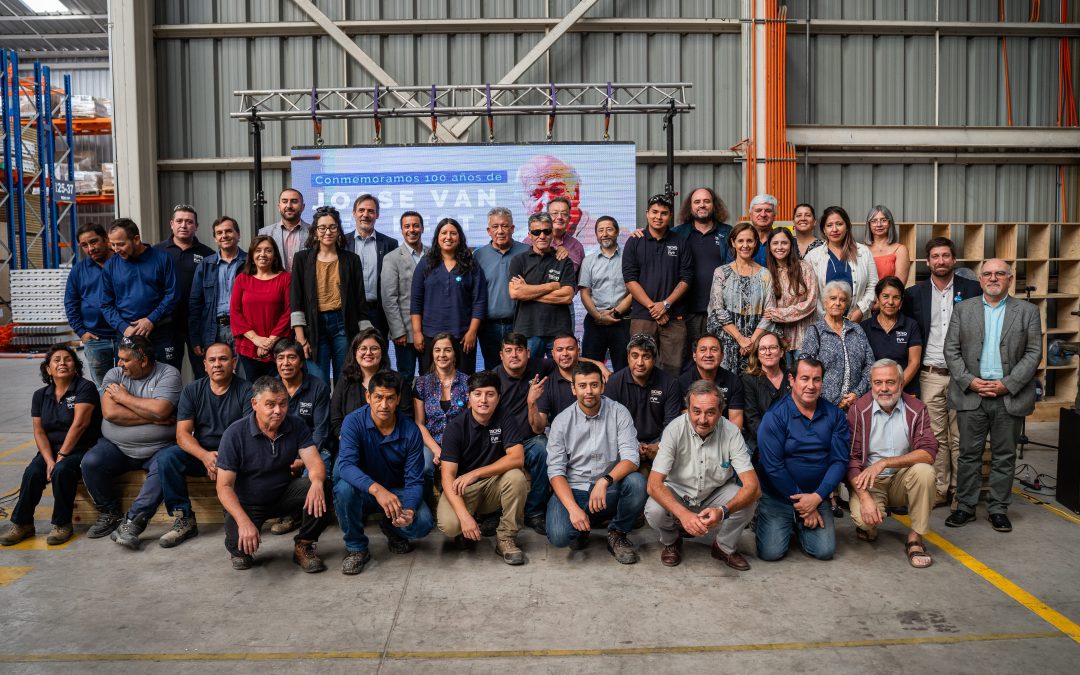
(202, 492)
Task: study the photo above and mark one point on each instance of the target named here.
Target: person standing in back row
(83, 302)
(186, 252)
(372, 247)
(291, 231)
(703, 223)
(543, 287)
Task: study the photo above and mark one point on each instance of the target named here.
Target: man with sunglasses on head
(186, 252)
(543, 287)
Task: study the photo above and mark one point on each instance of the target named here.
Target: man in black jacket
(372, 247)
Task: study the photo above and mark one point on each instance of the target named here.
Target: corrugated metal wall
(852, 80)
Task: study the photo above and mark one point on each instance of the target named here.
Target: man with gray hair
(494, 259)
(762, 217)
(693, 488)
(892, 459)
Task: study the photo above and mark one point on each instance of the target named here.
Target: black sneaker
(463, 543)
(106, 523)
(489, 524)
(538, 522)
(580, 542)
(354, 562)
(242, 562)
(959, 518)
(394, 541)
(1000, 522)
(127, 534)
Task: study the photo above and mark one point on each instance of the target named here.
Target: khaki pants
(670, 342)
(934, 389)
(912, 487)
(488, 495)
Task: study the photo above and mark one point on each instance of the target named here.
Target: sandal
(914, 554)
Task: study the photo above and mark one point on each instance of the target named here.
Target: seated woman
(440, 395)
(67, 421)
(366, 356)
(842, 348)
(893, 335)
(765, 382)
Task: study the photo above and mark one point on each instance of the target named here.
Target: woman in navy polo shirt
(893, 335)
(67, 421)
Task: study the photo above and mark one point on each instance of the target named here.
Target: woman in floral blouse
(842, 347)
(741, 293)
(440, 395)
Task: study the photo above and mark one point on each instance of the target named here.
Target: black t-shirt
(726, 381)
(58, 416)
(514, 391)
(211, 413)
(472, 445)
(652, 406)
(708, 251)
(558, 395)
(532, 317)
(658, 265)
(262, 466)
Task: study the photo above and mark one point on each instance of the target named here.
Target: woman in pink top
(890, 256)
(794, 286)
(259, 311)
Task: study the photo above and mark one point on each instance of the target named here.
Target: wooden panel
(202, 491)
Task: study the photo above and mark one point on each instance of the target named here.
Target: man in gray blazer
(993, 348)
(396, 277)
(291, 232)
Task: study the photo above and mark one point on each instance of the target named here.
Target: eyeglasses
(368, 350)
(768, 348)
(879, 221)
(326, 228)
(541, 233)
(999, 275)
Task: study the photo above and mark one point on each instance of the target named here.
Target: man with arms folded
(543, 287)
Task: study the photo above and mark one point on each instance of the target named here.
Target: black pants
(373, 312)
(466, 363)
(253, 369)
(598, 340)
(65, 478)
(290, 502)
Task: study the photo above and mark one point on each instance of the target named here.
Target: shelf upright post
(69, 135)
(43, 199)
(9, 203)
(50, 154)
(19, 192)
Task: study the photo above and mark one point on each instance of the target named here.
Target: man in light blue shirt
(494, 259)
(592, 467)
(605, 298)
(993, 318)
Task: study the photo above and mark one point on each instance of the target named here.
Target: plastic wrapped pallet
(103, 106)
(87, 182)
(108, 178)
(83, 107)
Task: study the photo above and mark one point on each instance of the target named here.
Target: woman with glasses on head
(449, 295)
(844, 259)
(794, 289)
(804, 220)
(891, 258)
(327, 295)
(765, 382)
(259, 308)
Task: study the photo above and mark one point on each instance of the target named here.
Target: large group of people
(754, 371)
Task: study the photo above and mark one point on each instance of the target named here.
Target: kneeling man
(592, 467)
(692, 487)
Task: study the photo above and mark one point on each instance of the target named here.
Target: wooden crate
(202, 492)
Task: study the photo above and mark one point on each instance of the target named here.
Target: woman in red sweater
(259, 313)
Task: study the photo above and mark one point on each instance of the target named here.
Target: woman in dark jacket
(327, 295)
(367, 356)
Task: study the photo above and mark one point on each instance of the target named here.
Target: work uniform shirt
(311, 403)
(652, 406)
(185, 261)
(472, 445)
(893, 344)
(263, 467)
(533, 317)
(582, 448)
(658, 265)
(496, 266)
(143, 287)
(213, 413)
(394, 461)
(694, 466)
(58, 416)
(514, 391)
(729, 384)
(83, 299)
(558, 395)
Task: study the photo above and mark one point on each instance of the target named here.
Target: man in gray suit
(396, 277)
(993, 348)
(291, 231)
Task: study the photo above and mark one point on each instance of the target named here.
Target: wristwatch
(609, 479)
(724, 511)
(667, 306)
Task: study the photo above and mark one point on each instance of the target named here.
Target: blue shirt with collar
(394, 461)
(84, 297)
(143, 287)
(496, 266)
(448, 301)
(990, 361)
(800, 455)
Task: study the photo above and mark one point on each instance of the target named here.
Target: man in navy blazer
(372, 247)
(931, 303)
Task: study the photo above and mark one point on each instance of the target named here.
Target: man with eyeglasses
(993, 349)
(543, 287)
(186, 252)
(291, 231)
(494, 259)
(372, 248)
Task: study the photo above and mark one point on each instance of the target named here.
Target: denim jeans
(776, 522)
(490, 338)
(100, 357)
(538, 344)
(65, 478)
(354, 506)
(289, 502)
(536, 467)
(625, 502)
(103, 463)
(333, 344)
(406, 359)
(598, 341)
(173, 465)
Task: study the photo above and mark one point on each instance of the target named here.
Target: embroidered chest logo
(304, 408)
(901, 337)
(554, 275)
(70, 401)
(196, 258)
(672, 250)
(655, 395)
(495, 435)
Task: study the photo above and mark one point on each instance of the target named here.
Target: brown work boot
(672, 554)
(734, 560)
(510, 552)
(59, 534)
(285, 525)
(621, 547)
(305, 556)
(16, 534)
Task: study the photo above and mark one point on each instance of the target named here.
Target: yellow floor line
(518, 653)
(12, 462)
(1034, 499)
(1040, 608)
(9, 574)
(17, 448)
(37, 543)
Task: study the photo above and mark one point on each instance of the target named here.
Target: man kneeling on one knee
(592, 467)
(692, 487)
(892, 458)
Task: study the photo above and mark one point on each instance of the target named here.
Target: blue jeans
(333, 344)
(100, 357)
(103, 463)
(406, 358)
(354, 506)
(625, 502)
(490, 338)
(538, 344)
(536, 466)
(775, 522)
(173, 465)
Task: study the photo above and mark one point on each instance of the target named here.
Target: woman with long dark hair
(449, 295)
(844, 259)
(367, 356)
(804, 220)
(259, 309)
(441, 394)
(742, 291)
(794, 288)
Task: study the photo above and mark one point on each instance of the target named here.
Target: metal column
(9, 205)
(18, 192)
(69, 135)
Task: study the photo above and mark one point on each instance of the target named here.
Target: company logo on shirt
(196, 258)
(70, 401)
(901, 337)
(554, 275)
(495, 435)
(655, 395)
(672, 250)
(304, 409)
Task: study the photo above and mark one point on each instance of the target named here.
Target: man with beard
(372, 247)
(83, 299)
(396, 279)
(604, 296)
(762, 217)
(290, 232)
(494, 259)
(703, 224)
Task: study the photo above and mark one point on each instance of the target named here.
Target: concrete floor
(92, 606)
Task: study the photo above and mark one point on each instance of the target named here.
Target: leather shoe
(734, 560)
(672, 555)
(1000, 522)
(959, 518)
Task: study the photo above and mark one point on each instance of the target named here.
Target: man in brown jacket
(892, 459)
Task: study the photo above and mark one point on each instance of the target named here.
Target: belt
(502, 322)
(935, 370)
(223, 320)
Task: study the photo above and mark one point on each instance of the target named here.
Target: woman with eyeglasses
(765, 382)
(794, 289)
(845, 260)
(259, 308)
(804, 220)
(742, 291)
(891, 258)
(327, 295)
(367, 355)
(449, 295)
(894, 335)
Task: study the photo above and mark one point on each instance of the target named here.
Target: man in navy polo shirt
(186, 252)
(380, 469)
(544, 287)
(255, 478)
(707, 354)
(650, 394)
(555, 393)
(84, 297)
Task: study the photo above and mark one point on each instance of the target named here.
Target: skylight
(46, 6)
